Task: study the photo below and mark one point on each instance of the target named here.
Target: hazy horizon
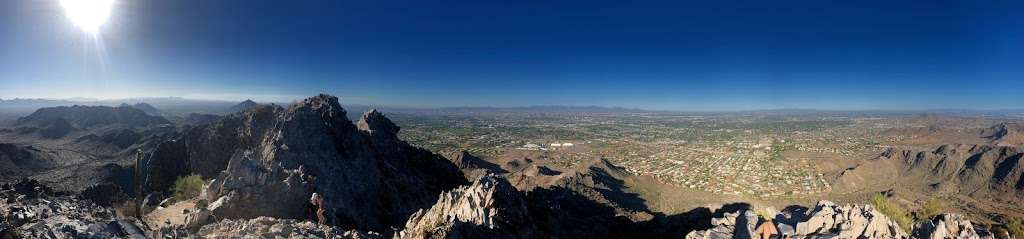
(653, 55)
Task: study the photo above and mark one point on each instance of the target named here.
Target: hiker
(311, 207)
(767, 229)
(318, 203)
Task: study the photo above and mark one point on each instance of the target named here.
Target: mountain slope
(987, 172)
(271, 159)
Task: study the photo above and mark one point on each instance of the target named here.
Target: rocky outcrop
(826, 220)
(30, 210)
(268, 160)
(950, 226)
(204, 149)
(266, 227)
(857, 221)
(489, 208)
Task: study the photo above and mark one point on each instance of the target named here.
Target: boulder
(489, 208)
(950, 226)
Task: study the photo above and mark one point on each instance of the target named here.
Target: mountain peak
(375, 123)
(243, 106)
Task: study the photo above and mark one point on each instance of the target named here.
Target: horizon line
(925, 110)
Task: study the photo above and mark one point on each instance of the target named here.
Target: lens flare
(88, 15)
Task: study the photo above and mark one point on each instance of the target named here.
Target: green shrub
(931, 208)
(1016, 227)
(893, 211)
(187, 187)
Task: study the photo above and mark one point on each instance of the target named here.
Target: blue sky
(709, 55)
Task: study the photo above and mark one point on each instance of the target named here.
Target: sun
(88, 15)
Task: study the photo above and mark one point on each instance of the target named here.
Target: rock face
(268, 160)
(266, 227)
(950, 226)
(489, 208)
(826, 220)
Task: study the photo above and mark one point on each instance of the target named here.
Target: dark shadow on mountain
(678, 225)
(615, 190)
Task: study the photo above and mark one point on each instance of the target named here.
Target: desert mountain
(1005, 134)
(267, 160)
(243, 106)
(144, 107)
(981, 171)
(92, 116)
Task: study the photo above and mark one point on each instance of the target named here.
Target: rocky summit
(277, 157)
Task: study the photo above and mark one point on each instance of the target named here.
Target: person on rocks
(767, 229)
(317, 200)
(311, 207)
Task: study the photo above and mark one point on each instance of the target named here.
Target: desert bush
(893, 211)
(1016, 227)
(187, 187)
(931, 208)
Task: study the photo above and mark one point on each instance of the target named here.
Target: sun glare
(88, 15)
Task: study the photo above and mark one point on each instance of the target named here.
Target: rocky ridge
(271, 159)
(829, 220)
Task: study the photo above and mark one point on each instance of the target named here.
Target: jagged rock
(855, 221)
(827, 220)
(950, 226)
(197, 219)
(371, 180)
(267, 227)
(376, 125)
(204, 149)
(489, 208)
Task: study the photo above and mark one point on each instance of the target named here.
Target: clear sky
(705, 55)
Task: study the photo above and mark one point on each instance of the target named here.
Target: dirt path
(173, 214)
